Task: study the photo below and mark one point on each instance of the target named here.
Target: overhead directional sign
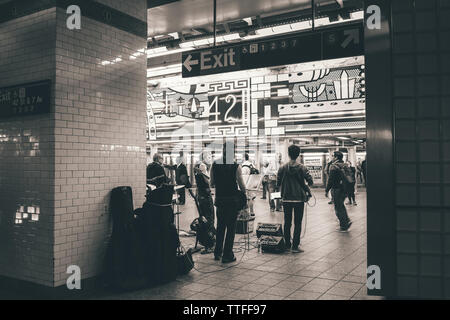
(344, 41)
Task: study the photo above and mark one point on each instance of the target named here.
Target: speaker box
(269, 229)
(272, 244)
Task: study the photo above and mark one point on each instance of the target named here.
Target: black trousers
(339, 207)
(264, 189)
(226, 223)
(298, 208)
(351, 192)
(206, 208)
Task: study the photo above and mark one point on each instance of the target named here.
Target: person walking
(359, 172)
(327, 170)
(275, 204)
(226, 176)
(265, 179)
(350, 171)
(336, 183)
(294, 193)
(205, 201)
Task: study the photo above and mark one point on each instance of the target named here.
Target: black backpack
(253, 170)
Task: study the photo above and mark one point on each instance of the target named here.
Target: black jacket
(291, 178)
(154, 170)
(336, 180)
(181, 174)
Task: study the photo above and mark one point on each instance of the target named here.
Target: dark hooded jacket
(336, 179)
(291, 178)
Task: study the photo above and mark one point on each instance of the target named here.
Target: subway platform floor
(332, 266)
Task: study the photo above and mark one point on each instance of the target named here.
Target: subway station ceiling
(194, 18)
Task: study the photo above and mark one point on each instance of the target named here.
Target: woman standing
(226, 175)
(205, 202)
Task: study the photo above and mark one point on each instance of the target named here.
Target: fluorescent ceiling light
(231, 36)
(302, 25)
(174, 35)
(264, 31)
(357, 15)
(188, 44)
(343, 138)
(282, 29)
(201, 42)
(157, 50)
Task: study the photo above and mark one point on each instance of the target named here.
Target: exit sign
(329, 43)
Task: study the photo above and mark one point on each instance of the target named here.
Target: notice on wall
(25, 99)
(314, 165)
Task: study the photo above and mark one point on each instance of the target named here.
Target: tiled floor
(332, 267)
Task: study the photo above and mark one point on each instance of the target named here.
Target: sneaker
(228, 260)
(330, 202)
(272, 210)
(217, 258)
(297, 250)
(355, 204)
(346, 228)
(348, 203)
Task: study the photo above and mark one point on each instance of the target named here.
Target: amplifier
(272, 244)
(269, 229)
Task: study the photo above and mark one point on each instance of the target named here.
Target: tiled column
(66, 162)
(27, 54)
(100, 126)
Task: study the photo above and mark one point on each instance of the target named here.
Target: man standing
(181, 178)
(364, 171)
(294, 192)
(336, 182)
(155, 171)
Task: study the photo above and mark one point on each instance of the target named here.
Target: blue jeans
(298, 208)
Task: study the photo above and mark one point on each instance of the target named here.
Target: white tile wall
(26, 152)
(69, 160)
(100, 137)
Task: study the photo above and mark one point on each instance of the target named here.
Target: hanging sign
(330, 43)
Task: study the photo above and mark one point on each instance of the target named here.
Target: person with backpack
(337, 183)
(248, 167)
(350, 172)
(294, 193)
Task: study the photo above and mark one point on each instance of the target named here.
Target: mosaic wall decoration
(255, 105)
